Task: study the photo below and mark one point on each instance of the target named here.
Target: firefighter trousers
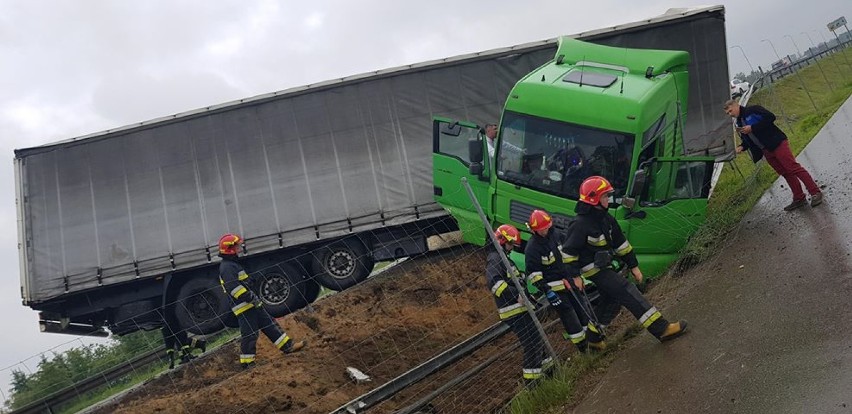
(252, 322)
(615, 292)
(573, 317)
(534, 350)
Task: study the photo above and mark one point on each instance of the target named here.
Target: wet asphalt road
(770, 317)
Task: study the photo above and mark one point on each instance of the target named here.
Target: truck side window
(456, 146)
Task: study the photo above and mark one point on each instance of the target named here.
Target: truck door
(670, 207)
(458, 150)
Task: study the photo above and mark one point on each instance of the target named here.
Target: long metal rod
(521, 289)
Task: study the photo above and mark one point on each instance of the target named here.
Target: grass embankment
(137, 377)
(740, 186)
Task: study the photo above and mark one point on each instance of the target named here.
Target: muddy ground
(383, 327)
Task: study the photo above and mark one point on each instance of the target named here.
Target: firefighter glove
(553, 298)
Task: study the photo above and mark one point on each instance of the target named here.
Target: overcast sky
(69, 68)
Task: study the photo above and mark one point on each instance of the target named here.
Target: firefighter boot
(186, 354)
(292, 346)
(673, 330)
(595, 338)
(248, 365)
(547, 366)
(171, 354)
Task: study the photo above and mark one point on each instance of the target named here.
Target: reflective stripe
(624, 248)
(535, 277)
(246, 358)
(649, 317)
(513, 273)
(242, 275)
(241, 307)
(499, 287)
(548, 260)
(593, 328)
(589, 270)
(282, 340)
(577, 337)
(597, 241)
(533, 373)
(556, 286)
(511, 310)
(546, 362)
(237, 291)
(567, 258)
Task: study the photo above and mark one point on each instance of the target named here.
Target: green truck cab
(592, 110)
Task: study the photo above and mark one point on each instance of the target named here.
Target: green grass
(137, 377)
(736, 194)
(733, 197)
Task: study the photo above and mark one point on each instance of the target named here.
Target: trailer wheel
(201, 306)
(342, 264)
(284, 290)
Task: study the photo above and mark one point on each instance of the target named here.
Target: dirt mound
(383, 327)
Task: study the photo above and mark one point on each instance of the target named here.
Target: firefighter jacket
(544, 263)
(593, 231)
(502, 287)
(235, 283)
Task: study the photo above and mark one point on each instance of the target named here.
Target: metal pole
(797, 76)
(745, 56)
(521, 288)
(817, 62)
(825, 43)
(840, 48)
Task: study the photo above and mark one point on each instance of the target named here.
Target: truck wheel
(283, 290)
(342, 264)
(201, 306)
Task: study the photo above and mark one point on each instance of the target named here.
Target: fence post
(521, 289)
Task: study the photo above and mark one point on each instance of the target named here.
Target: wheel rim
(341, 264)
(201, 306)
(275, 289)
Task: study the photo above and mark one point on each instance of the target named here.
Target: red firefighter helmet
(593, 189)
(507, 234)
(539, 220)
(229, 244)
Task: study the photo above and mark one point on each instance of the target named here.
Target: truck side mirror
(474, 150)
(476, 169)
(639, 179)
(453, 129)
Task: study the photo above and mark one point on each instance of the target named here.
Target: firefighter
(547, 272)
(176, 342)
(247, 307)
(511, 307)
(593, 241)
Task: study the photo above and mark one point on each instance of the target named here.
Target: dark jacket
(763, 129)
(592, 231)
(235, 283)
(544, 262)
(499, 280)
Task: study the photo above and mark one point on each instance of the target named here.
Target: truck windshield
(555, 157)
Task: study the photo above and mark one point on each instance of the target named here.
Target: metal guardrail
(435, 364)
(49, 403)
